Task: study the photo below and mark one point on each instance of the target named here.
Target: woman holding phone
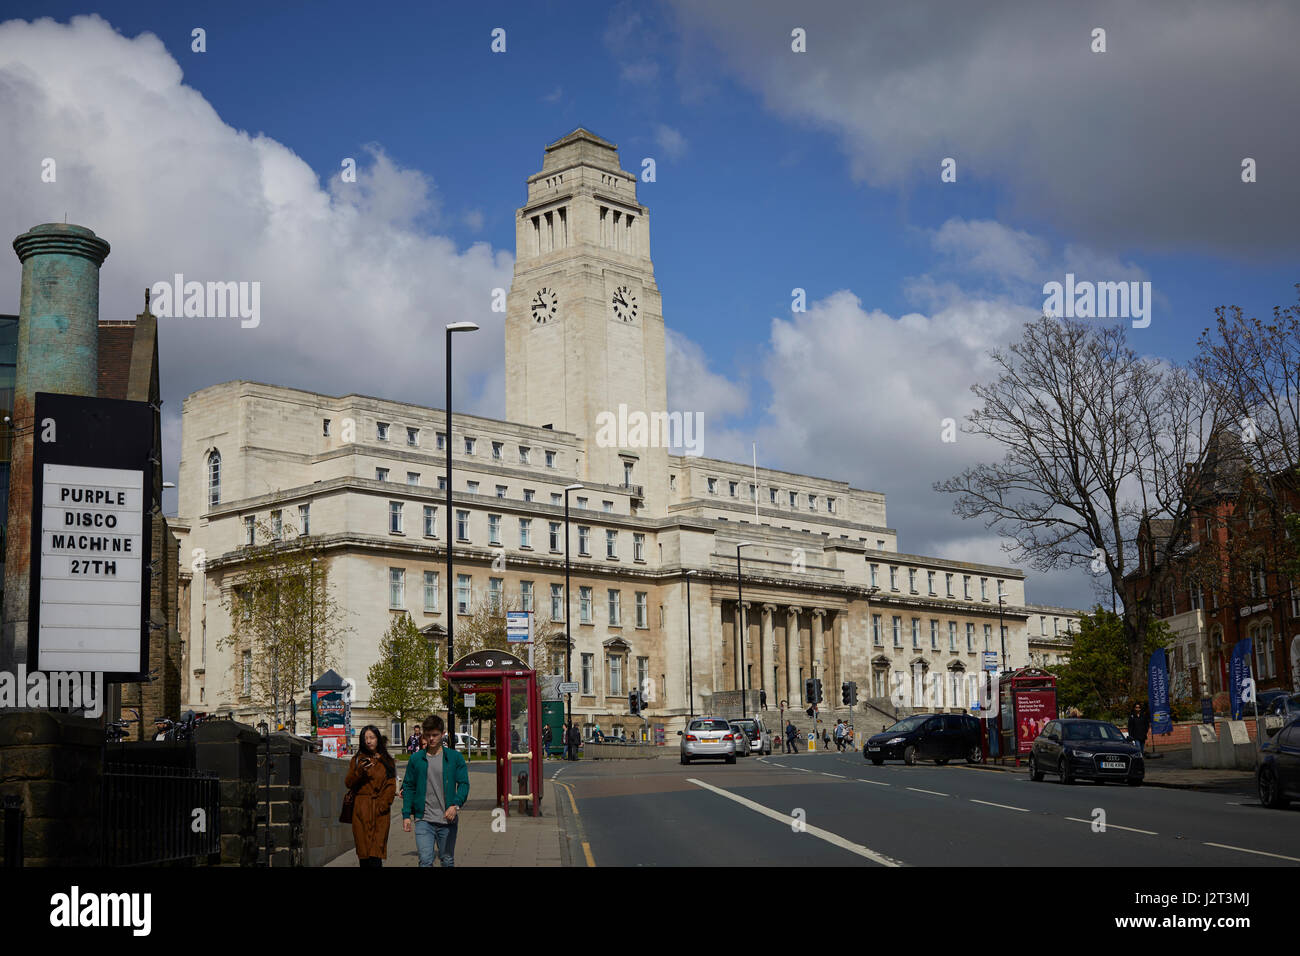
(372, 777)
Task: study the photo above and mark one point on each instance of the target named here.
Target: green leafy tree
(404, 680)
(281, 610)
(1098, 679)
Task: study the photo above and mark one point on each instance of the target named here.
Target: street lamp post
(690, 654)
(568, 630)
(312, 652)
(740, 617)
(451, 608)
(1002, 629)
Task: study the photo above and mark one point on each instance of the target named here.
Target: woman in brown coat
(372, 776)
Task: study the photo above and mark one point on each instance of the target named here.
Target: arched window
(214, 478)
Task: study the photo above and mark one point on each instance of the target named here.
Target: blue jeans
(436, 839)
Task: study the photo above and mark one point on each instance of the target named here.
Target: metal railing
(154, 815)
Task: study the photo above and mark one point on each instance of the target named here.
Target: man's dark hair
(431, 723)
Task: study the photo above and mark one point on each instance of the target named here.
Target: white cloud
(672, 142)
(474, 220)
(353, 285)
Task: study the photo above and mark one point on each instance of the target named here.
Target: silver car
(760, 738)
(708, 737)
(743, 746)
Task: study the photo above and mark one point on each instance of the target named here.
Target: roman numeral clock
(545, 305)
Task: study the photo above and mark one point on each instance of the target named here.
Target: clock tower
(584, 321)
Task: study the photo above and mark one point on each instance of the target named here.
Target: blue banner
(1158, 694)
(1238, 673)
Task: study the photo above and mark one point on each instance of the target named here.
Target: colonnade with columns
(781, 645)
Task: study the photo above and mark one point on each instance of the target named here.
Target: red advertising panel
(1034, 708)
(331, 722)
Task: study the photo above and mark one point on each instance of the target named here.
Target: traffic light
(844, 693)
(810, 690)
(810, 712)
(817, 689)
(640, 704)
(853, 693)
(633, 703)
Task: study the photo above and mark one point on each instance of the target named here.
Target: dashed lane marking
(784, 818)
(1242, 849)
(988, 803)
(935, 792)
(1116, 826)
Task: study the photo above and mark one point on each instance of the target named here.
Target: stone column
(744, 653)
(816, 651)
(714, 638)
(794, 692)
(58, 351)
(767, 654)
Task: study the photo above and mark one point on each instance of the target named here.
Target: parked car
(743, 745)
(760, 738)
(708, 737)
(1278, 774)
(467, 743)
(1283, 705)
(937, 737)
(1092, 749)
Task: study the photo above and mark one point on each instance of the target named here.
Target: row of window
(474, 487)
(469, 443)
(554, 531)
(615, 664)
(931, 576)
(878, 637)
(527, 592)
(774, 495)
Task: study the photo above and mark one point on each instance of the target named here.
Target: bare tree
(282, 613)
(1100, 445)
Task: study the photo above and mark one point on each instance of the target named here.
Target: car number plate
(873, 748)
(1112, 765)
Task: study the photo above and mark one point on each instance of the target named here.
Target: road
(831, 809)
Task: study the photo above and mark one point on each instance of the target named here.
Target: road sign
(991, 660)
(470, 700)
(569, 687)
(519, 627)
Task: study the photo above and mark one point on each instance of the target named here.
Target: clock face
(544, 305)
(624, 303)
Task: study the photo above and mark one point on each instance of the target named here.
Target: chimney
(58, 351)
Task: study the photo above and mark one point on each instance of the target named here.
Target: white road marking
(784, 818)
(1002, 805)
(935, 792)
(1116, 826)
(838, 775)
(1242, 849)
(874, 783)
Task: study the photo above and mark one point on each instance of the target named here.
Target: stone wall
(324, 838)
(52, 763)
(593, 751)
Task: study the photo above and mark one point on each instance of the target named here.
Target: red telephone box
(518, 722)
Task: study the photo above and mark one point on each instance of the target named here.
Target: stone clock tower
(584, 321)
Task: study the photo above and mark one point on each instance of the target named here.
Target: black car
(937, 737)
(1278, 776)
(1092, 749)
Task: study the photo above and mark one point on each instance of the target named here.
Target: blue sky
(773, 171)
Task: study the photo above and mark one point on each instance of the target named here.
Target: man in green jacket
(434, 789)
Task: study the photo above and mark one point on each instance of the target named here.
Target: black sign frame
(92, 433)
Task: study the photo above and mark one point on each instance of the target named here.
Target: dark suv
(937, 737)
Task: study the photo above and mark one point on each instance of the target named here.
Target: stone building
(826, 592)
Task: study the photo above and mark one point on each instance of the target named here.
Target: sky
(776, 170)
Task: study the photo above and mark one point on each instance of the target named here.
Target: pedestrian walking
(413, 741)
(790, 734)
(434, 789)
(372, 779)
(1138, 725)
(546, 741)
(839, 735)
(573, 739)
(826, 738)
(851, 737)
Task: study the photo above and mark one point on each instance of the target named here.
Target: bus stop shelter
(1027, 702)
(518, 722)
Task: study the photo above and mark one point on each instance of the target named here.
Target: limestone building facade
(653, 533)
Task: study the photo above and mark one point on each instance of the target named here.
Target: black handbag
(349, 798)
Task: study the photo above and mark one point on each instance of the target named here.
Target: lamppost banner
(1158, 693)
(1238, 673)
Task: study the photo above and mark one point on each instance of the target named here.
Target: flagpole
(755, 446)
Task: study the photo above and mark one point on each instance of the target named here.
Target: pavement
(485, 838)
